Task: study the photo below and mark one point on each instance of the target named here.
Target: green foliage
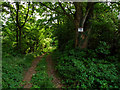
(41, 79)
(104, 26)
(13, 68)
(95, 67)
(80, 71)
(69, 45)
(103, 48)
(35, 35)
(65, 34)
(45, 41)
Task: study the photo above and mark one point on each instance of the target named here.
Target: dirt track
(30, 72)
(51, 72)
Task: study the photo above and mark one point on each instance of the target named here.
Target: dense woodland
(88, 59)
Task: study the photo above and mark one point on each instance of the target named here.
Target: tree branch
(54, 9)
(49, 7)
(89, 6)
(12, 13)
(26, 15)
(62, 8)
(70, 10)
(17, 5)
(31, 13)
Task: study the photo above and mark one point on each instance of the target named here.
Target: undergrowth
(13, 68)
(88, 68)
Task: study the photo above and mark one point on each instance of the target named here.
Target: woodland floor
(50, 70)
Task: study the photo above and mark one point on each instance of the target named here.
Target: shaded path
(30, 72)
(51, 72)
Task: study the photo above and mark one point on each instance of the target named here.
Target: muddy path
(30, 72)
(52, 73)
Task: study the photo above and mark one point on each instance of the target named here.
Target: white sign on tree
(80, 29)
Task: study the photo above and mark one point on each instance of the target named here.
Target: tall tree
(18, 22)
(20, 15)
(79, 17)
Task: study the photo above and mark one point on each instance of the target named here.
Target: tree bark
(85, 43)
(81, 39)
(77, 17)
(17, 22)
(20, 39)
(76, 32)
(17, 37)
(87, 26)
(19, 27)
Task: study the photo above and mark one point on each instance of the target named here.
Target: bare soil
(30, 72)
(52, 73)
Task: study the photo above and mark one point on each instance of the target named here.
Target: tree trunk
(77, 16)
(81, 39)
(76, 32)
(19, 26)
(118, 32)
(87, 27)
(20, 38)
(17, 37)
(85, 43)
